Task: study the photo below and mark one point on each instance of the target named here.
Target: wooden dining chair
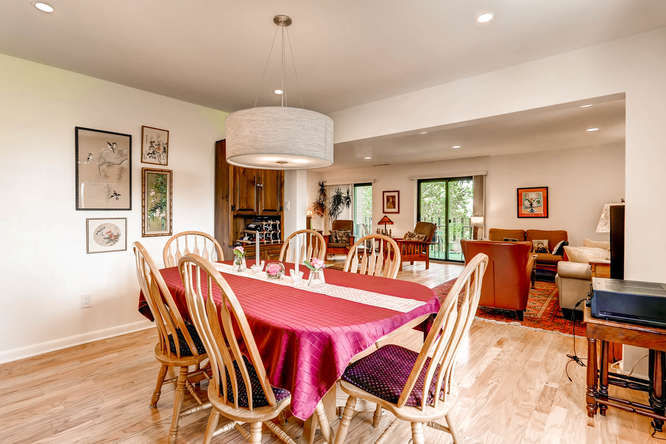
(394, 377)
(374, 255)
(178, 346)
(239, 389)
(312, 245)
(195, 242)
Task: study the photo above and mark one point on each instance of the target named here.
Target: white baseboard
(70, 341)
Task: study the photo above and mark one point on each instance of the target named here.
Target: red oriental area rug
(543, 310)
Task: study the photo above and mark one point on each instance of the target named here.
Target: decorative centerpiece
(239, 258)
(316, 267)
(274, 270)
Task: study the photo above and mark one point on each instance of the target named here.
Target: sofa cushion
(410, 235)
(596, 244)
(499, 234)
(339, 238)
(553, 236)
(548, 258)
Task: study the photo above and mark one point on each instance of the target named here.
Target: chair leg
(212, 425)
(346, 420)
(161, 374)
(377, 416)
(255, 433)
(452, 429)
(178, 396)
(417, 433)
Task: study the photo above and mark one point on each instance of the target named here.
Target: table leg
(591, 377)
(657, 386)
(328, 404)
(603, 383)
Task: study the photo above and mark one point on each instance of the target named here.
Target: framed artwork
(391, 201)
(532, 202)
(103, 170)
(154, 145)
(104, 235)
(156, 202)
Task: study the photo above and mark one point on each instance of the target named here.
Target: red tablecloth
(307, 339)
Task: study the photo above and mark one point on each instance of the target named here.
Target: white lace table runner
(389, 302)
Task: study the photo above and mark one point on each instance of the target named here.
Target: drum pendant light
(279, 137)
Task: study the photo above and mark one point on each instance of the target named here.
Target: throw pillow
(559, 248)
(340, 236)
(540, 246)
(410, 235)
(584, 255)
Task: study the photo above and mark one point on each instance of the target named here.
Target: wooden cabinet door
(245, 189)
(271, 191)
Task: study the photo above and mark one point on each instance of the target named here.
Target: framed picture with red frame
(532, 202)
(391, 202)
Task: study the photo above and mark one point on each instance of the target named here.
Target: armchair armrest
(351, 240)
(574, 270)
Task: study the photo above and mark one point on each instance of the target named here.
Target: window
(448, 203)
(362, 209)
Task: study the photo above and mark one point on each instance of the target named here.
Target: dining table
(307, 335)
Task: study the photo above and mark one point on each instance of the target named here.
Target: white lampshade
(476, 220)
(279, 137)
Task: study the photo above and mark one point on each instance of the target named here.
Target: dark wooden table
(599, 334)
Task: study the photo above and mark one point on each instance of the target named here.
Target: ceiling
(556, 127)
(348, 52)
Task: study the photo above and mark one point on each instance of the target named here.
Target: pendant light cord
(283, 100)
(263, 74)
(293, 65)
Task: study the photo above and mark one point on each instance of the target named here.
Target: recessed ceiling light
(44, 7)
(423, 132)
(485, 17)
(456, 147)
(279, 92)
(591, 130)
(367, 158)
(587, 105)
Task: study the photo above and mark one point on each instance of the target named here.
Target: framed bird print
(154, 145)
(103, 170)
(532, 202)
(106, 235)
(156, 202)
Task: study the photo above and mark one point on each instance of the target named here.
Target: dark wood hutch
(244, 196)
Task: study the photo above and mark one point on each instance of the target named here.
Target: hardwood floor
(513, 388)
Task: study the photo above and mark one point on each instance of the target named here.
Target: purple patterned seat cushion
(258, 396)
(384, 373)
(184, 348)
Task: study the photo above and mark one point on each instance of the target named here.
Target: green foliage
(338, 202)
(158, 200)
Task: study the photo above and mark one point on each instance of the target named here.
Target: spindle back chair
(178, 343)
(312, 245)
(239, 389)
(374, 255)
(195, 242)
(425, 395)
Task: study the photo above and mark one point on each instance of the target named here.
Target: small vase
(316, 278)
(239, 264)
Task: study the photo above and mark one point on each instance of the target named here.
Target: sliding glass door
(447, 203)
(362, 209)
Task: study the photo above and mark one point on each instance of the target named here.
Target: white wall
(44, 265)
(634, 65)
(580, 181)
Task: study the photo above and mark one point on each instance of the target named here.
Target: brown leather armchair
(417, 250)
(335, 247)
(506, 284)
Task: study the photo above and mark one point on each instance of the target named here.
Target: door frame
(446, 180)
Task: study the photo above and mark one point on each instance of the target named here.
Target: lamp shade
(279, 137)
(476, 220)
(385, 221)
